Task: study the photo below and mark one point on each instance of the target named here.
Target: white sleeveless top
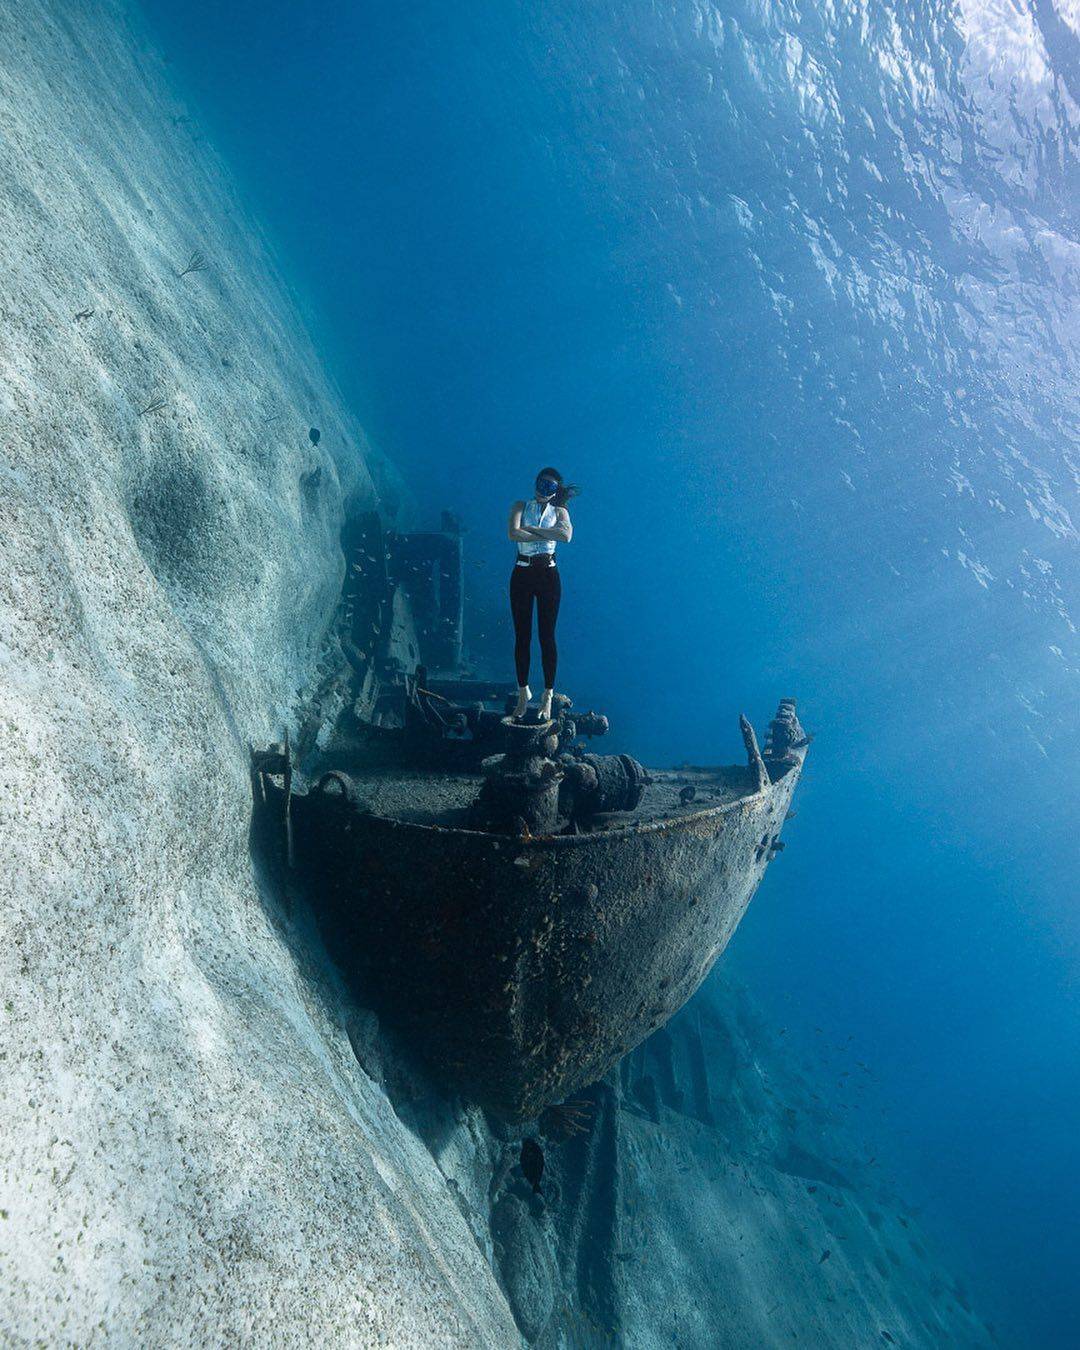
(544, 518)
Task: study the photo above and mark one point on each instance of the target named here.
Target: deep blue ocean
(793, 291)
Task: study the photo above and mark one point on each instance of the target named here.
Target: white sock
(545, 704)
(524, 694)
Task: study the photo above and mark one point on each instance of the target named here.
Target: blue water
(791, 290)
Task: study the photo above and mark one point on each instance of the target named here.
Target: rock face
(204, 1140)
(189, 1149)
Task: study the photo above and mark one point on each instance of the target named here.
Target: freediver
(536, 526)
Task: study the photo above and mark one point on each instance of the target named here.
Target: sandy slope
(746, 1185)
(189, 1150)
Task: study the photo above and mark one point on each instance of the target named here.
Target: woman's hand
(562, 531)
(515, 530)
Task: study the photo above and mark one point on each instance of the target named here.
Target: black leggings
(544, 583)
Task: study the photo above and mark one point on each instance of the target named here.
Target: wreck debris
(276, 761)
(567, 1119)
(430, 565)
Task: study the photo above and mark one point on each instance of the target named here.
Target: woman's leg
(548, 595)
(521, 605)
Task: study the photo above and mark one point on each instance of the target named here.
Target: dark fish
(313, 435)
(886, 1337)
(532, 1163)
(824, 1256)
(687, 794)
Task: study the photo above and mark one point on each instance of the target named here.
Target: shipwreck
(522, 910)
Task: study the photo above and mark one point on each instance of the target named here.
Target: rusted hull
(522, 969)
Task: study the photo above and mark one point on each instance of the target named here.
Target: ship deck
(427, 797)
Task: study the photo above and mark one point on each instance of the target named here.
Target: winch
(599, 783)
(527, 790)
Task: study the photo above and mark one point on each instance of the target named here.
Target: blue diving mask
(547, 487)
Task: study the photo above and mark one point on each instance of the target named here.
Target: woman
(536, 526)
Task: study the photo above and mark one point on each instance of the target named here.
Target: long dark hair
(564, 491)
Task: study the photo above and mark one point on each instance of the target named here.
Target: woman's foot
(524, 694)
(545, 705)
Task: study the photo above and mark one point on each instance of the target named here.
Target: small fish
(886, 1337)
(824, 1256)
(532, 1163)
(313, 435)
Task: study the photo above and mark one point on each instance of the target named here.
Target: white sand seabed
(189, 1152)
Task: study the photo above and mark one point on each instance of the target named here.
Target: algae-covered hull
(522, 968)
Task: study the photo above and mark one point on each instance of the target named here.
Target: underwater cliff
(205, 1139)
(190, 1153)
